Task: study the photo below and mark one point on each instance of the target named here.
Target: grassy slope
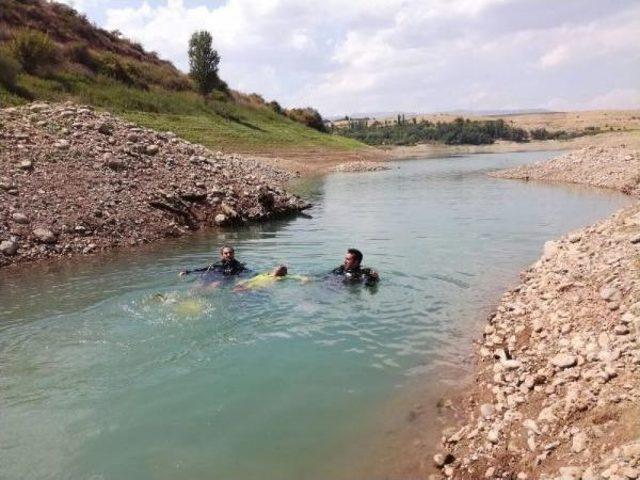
(220, 124)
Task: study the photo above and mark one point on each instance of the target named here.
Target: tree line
(457, 132)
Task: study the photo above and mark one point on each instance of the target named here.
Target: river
(102, 378)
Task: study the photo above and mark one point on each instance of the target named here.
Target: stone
(89, 248)
(487, 410)
(25, 165)
(8, 247)
(220, 219)
(564, 360)
(62, 144)
(151, 149)
(113, 163)
(442, 459)
(579, 442)
(621, 330)
(493, 436)
(20, 218)
(44, 235)
(537, 326)
(531, 426)
(610, 294)
(511, 364)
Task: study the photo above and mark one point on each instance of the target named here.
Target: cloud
(415, 55)
(616, 99)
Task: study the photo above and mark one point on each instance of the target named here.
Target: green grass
(219, 124)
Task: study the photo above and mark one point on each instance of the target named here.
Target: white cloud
(416, 55)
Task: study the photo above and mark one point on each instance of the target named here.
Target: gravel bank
(76, 181)
(614, 167)
(362, 166)
(557, 384)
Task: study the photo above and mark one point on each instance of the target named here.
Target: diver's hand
(374, 276)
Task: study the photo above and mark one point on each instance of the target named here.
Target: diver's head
(227, 252)
(280, 271)
(353, 258)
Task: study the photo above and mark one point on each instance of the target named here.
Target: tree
(203, 63)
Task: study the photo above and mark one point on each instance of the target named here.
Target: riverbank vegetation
(50, 52)
(457, 132)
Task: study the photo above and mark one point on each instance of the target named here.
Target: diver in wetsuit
(352, 272)
(226, 266)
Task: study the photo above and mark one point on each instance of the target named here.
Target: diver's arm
(195, 270)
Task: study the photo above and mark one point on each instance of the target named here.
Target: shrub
(9, 70)
(79, 53)
(276, 107)
(110, 65)
(307, 116)
(35, 51)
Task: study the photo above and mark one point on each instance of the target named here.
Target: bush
(79, 53)
(9, 70)
(35, 51)
(309, 117)
(110, 65)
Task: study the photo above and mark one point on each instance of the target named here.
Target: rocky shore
(557, 384)
(616, 167)
(76, 181)
(361, 166)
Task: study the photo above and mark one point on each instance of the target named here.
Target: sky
(347, 56)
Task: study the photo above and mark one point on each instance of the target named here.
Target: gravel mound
(614, 167)
(76, 181)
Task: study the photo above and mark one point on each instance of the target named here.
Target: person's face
(227, 254)
(350, 261)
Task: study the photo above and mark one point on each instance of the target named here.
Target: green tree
(203, 63)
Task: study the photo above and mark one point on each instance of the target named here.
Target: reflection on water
(113, 367)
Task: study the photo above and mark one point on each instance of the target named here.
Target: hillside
(89, 65)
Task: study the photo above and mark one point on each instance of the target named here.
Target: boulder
(44, 235)
(8, 247)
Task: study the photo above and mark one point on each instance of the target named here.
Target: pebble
(26, 165)
(487, 410)
(564, 360)
(578, 443)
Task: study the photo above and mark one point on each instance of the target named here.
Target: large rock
(8, 247)
(20, 218)
(44, 235)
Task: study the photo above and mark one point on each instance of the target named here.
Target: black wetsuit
(356, 275)
(223, 267)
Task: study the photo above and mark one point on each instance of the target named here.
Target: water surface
(100, 380)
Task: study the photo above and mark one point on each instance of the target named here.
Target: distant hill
(49, 51)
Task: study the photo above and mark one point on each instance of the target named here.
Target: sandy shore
(556, 391)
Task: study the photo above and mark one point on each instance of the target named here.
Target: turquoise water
(100, 380)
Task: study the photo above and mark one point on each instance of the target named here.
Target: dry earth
(76, 181)
(557, 391)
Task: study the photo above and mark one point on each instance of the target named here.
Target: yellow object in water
(189, 306)
(265, 280)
